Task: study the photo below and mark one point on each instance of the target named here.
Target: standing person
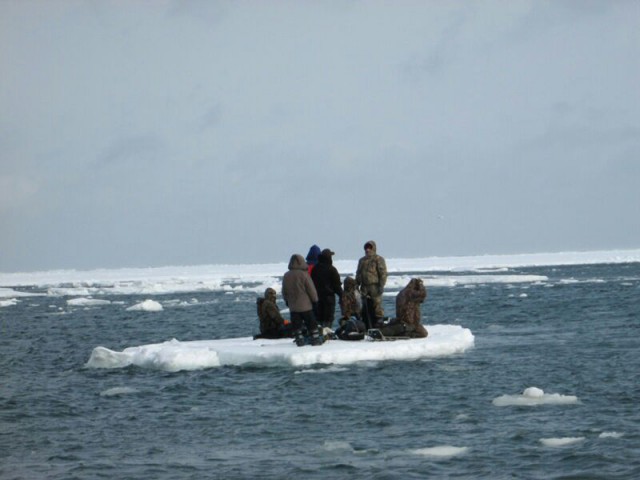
(272, 324)
(371, 277)
(326, 279)
(312, 257)
(300, 294)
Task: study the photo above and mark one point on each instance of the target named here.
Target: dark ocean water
(575, 334)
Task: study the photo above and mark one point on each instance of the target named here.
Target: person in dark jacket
(326, 279)
(272, 324)
(300, 294)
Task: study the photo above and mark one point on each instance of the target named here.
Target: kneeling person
(272, 324)
(408, 318)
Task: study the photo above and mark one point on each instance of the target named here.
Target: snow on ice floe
(146, 306)
(560, 442)
(9, 302)
(173, 355)
(534, 396)
(442, 451)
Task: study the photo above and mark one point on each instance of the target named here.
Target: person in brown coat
(300, 295)
(408, 308)
(272, 324)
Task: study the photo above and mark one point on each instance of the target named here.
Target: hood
(314, 253)
(349, 284)
(374, 250)
(297, 262)
(270, 294)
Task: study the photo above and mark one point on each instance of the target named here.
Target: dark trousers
(307, 319)
(326, 311)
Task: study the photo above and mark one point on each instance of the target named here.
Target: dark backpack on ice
(352, 329)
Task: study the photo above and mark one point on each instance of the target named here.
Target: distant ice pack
(463, 271)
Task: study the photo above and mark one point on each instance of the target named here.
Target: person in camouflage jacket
(408, 308)
(371, 277)
(408, 318)
(350, 305)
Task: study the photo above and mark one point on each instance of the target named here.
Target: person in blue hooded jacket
(312, 258)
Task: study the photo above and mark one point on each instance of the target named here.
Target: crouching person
(272, 324)
(408, 317)
(350, 302)
(300, 295)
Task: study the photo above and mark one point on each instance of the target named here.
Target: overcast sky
(153, 133)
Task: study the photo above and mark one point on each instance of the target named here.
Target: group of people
(310, 287)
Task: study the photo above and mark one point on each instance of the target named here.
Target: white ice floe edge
(173, 355)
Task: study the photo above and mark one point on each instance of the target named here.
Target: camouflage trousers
(373, 294)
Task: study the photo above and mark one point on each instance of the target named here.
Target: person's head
(270, 294)
(370, 247)
(296, 262)
(349, 284)
(312, 256)
(325, 256)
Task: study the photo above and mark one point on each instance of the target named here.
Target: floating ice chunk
(112, 392)
(11, 293)
(442, 451)
(337, 445)
(8, 303)
(87, 302)
(534, 396)
(560, 442)
(146, 306)
(611, 435)
(443, 340)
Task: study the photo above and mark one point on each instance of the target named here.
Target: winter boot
(316, 339)
(299, 338)
(375, 334)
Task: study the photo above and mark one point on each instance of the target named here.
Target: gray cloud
(197, 132)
